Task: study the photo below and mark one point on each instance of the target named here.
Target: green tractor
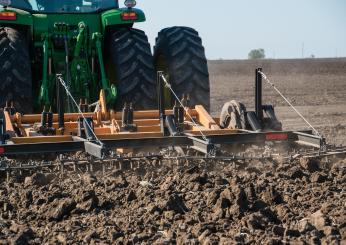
(93, 45)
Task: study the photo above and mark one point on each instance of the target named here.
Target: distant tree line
(256, 54)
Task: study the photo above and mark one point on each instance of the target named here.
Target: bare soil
(242, 202)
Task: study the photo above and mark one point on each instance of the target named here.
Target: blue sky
(230, 28)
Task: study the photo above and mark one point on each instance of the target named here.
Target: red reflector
(8, 16)
(276, 136)
(2, 150)
(129, 16)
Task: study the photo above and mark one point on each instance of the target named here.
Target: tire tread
(133, 62)
(187, 64)
(15, 70)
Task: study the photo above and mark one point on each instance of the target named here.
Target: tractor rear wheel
(15, 70)
(180, 54)
(133, 67)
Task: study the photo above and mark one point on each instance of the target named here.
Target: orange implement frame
(106, 126)
(26, 134)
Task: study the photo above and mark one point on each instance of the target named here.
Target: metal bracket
(161, 103)
(2, 128)
(258, 95)
(85, 128)
(86, 134)
(310, 140)
(95, 150)
(203, 146)
(60, 102)
(127, 123)
(91, 147)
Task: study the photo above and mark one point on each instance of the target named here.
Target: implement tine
(67, 163)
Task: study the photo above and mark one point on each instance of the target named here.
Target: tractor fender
(23, 18)
(22, 23)
(114, 17)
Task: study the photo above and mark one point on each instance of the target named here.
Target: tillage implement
(76, 76)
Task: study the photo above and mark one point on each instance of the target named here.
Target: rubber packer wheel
(15, 70)
(180, 54)
(233, 115)
(133, 64)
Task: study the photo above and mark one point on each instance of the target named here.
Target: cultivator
(129, 137)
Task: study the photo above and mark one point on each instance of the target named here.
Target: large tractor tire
(15, 70)
(132, 62)
(180, 54)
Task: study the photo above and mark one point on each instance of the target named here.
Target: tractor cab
(61, 6)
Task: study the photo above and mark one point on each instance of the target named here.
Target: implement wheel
(233, 115)
(15, 70)
(133, 68)
(180, 54)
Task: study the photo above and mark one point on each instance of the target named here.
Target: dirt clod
(60, 209)
(319, 220)
(23, 236)
(310, 164)
(37, 179)
(175, 203)
(318, 177)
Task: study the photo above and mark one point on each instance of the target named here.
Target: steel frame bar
(258, 95)
(80, 144)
